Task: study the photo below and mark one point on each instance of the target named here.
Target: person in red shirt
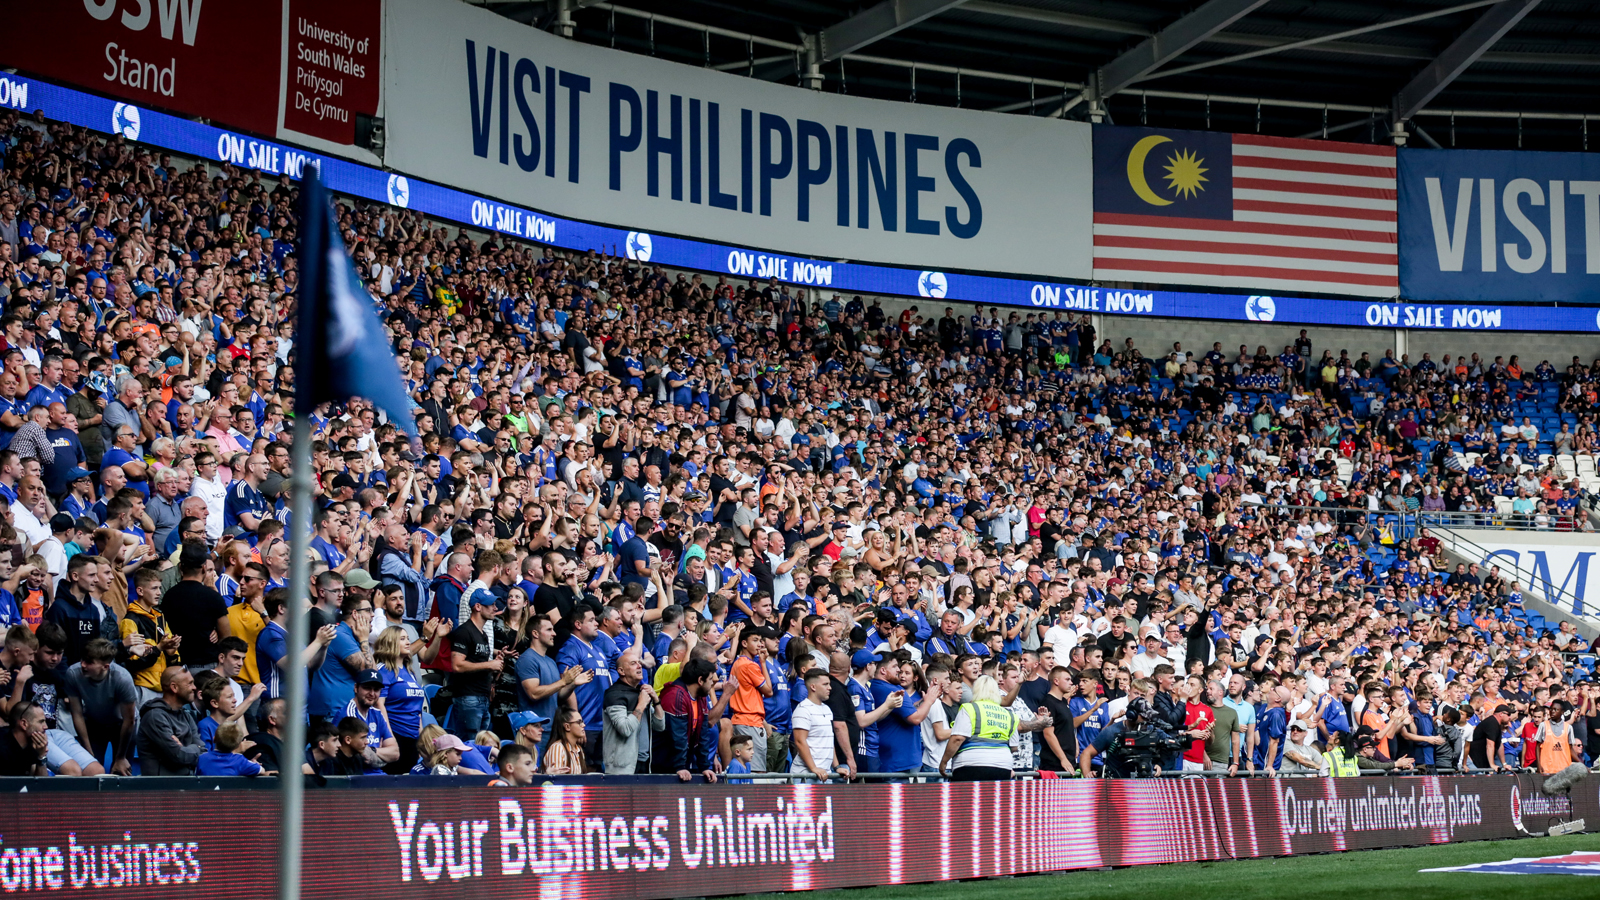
(1198, 718)
(1530, 733)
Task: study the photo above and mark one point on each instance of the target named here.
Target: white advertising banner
(481, 103)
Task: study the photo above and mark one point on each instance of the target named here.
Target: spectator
(582, 651)
(631, 713)
(169, 740)
(381, 748)
(227, 758)
(333, 679)
(813, 731)
(195, 611)
(24, 748)
(517, 767)
(475, 664)
(104, 705)
(566, 754)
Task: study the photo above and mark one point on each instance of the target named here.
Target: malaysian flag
(1244, 211)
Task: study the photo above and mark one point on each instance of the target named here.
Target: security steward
(979, 748)
(1338, 759)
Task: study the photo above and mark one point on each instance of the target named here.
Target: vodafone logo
(1516, 807)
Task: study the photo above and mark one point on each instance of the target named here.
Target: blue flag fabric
(343, 351)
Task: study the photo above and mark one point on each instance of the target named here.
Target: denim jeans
(469, 714)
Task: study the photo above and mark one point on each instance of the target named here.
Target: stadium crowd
(678, 525)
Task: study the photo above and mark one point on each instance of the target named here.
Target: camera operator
(1171, 714)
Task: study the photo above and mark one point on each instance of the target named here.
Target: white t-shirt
(996, 757)
(932, 747)
(817, 721)
(1061, 639)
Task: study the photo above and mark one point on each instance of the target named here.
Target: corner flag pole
(291, 782)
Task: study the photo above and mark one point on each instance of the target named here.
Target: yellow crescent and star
(1185, 171)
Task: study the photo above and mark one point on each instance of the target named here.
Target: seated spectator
(169, 740)
(226, 759)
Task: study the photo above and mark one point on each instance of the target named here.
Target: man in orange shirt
(749, 710)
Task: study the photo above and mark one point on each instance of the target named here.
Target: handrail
(1548, 592)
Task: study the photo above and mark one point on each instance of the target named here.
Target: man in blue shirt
(382, 748)
(582, 651)
(899, 732)
(333, 682)
(543, 683)
(245, 507)
(1273, 732)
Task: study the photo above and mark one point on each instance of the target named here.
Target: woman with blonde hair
(401, 698)
(981, 736)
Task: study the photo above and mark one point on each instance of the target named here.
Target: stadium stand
(652, 514)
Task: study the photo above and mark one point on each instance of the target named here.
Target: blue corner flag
(342, 350)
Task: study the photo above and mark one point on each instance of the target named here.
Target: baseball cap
(449, 742)
(522, 719)
(369, 676)
(361, 579)
(1504, 708)
(863, 658)
(75, 473)
(343, 480)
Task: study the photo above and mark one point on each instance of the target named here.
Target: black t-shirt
(1049, 536)
(562, 599)
(16, 761)
(1487, 730)
(267, 752)
(192, 610)
(470, 641)
(843, 711)
(1061, 710)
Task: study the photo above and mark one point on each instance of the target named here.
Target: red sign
(334, 66)
(218, 59)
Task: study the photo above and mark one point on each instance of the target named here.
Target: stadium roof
(1281, 67)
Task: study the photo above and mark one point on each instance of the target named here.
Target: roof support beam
(1456, 58)
(1320, 39)
(876, 23)
(1166, 45)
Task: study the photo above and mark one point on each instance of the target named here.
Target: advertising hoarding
(298, 70)
(1499, 226)
(412, 838)
(493, 107)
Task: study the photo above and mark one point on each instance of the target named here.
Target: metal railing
(1556, 596)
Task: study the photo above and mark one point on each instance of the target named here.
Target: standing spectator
(684, 747)
(401, 698)
(1061, 749)
(813, 730)
(104, 704)
(631, 711)
(748, 704)
(544, 685)
(196, 612)
(475, 664)
(333, 681)
(75, 610)
(581, 650)
(169, 741)
(1487, 749)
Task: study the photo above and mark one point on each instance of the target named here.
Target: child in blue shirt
(226, 759)
(744, 750)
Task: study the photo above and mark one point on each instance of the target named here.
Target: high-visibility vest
(992, 724)
(1339, 765)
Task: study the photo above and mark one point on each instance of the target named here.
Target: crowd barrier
(586, 842)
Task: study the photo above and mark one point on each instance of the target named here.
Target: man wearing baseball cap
(382, 748)
(1488, 747)
(475, 664)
